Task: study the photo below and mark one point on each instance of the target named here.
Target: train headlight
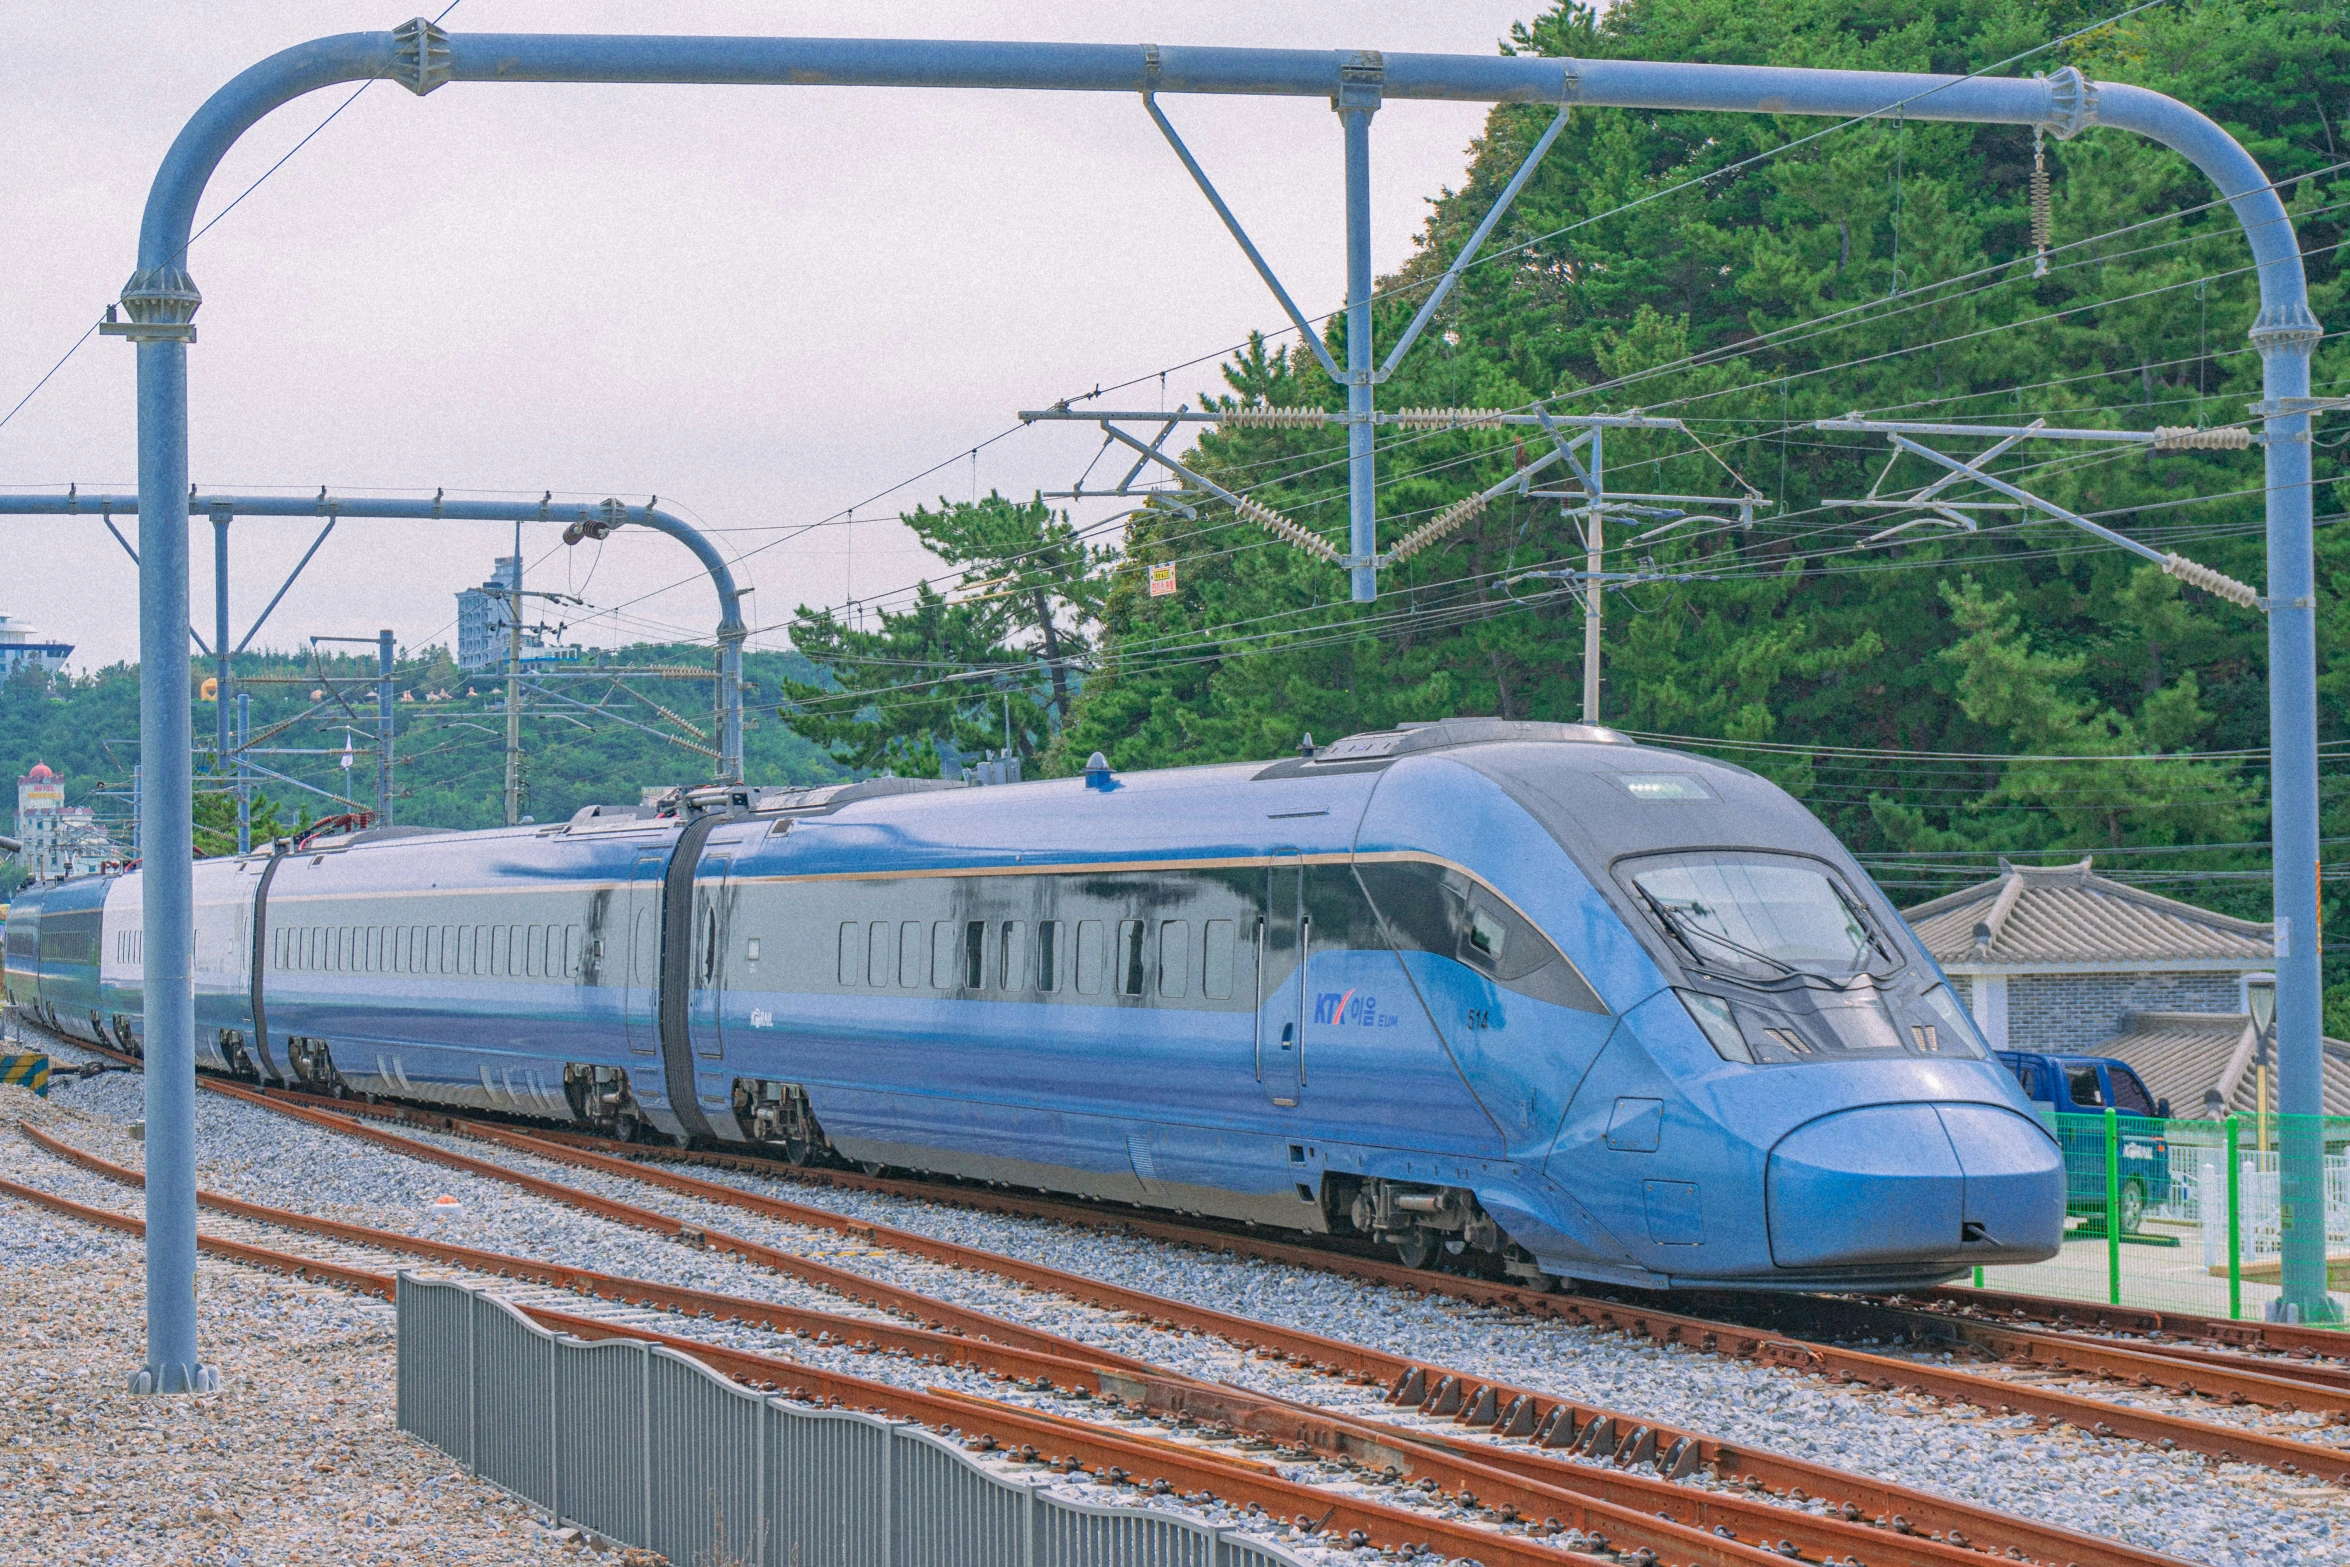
(1713, 1015)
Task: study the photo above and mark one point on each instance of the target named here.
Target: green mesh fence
(2182, 1215)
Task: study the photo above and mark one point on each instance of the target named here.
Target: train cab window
(1174, 957)
(1009, 969)
(852, 952)
(974, 954)
(2081, 1082)
(913, 960)
(1216, 960)
(1092, 956)
(943, 955)
(1426, 907)
(1130, 957)
(881, 951)
(2129, 1095)
(1048, 956)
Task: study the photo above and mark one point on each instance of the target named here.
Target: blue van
(2078, 1089)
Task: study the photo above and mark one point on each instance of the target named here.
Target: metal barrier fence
(649, 1447)
(2200, 1213)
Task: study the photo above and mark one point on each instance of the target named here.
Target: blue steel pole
(167, 845)
(2292, 729)
(1362, 490)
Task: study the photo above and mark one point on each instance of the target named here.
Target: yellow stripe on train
(28, 1071)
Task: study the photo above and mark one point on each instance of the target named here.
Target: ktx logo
(1341, 1006)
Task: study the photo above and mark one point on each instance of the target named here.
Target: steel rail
(1003, 1359)
(1627, 1503)
(1437, 1391)
(1107, 1452)
(1883, 1372)
(2191, 1373)
(2286, 1338)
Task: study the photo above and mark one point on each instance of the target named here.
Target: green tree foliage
(450, 755)
(1649, 264)
(943, 676)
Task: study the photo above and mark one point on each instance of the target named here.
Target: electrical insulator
(2187, 438)
(2040, 224)
(1444, 522)
(2217, 583)
(1281, 527)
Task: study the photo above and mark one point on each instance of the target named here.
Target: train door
(1282, 935)
(705, 1018)
(643, 974)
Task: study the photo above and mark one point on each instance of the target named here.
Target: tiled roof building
(2061, 958)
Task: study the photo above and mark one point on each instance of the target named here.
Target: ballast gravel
(2121, 1490)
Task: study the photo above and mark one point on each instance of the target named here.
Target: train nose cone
(1961, 1184)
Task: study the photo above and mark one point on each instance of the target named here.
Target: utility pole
(1594, 596)
(383, 730)
(244, 774)
(514, 687)
(220, 521)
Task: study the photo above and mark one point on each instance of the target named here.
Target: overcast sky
(763, 305)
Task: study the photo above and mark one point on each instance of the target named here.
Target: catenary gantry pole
(161, 300)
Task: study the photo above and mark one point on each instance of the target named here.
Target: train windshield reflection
(1762, 916)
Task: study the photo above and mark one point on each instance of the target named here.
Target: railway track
(1429, 1393)
(1783, 1342)
(1456, 1403)
(1692, 1525)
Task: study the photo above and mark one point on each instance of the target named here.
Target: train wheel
(1416, 1250)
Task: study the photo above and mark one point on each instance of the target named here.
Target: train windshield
(1759, 916)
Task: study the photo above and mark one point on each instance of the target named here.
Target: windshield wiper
(1674, 926)
(1860, 921)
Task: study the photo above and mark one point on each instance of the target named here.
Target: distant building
(59, 839)
(21, 645)
(2061, 959)
(485, 618)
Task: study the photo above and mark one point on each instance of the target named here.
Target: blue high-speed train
(1570, 1006)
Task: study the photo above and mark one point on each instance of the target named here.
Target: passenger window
(535, 961)
(974, 954)
(1009, 968)
(1091, 959)
(942, 955)
(852, 952)
(517, 943)
(501, 950)
(2082, 1081)
(1216, 960)
(913, 962)
(1174, 957)
(880, 948)
(1130, 957)
(1048, 956)
(571, 950)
